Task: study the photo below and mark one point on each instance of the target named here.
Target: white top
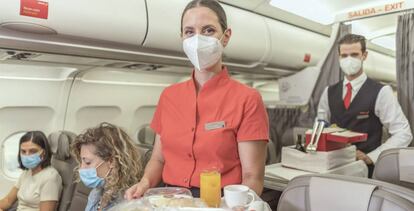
(43, 186)
(387, 109)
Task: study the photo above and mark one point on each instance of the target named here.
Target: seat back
(338, 192)
(80, 197)
(146, 136)
(145, 153)
(271, 156)
(63, 162)
(387, 167)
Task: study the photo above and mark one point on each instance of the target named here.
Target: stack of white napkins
(317, 162)
(279, 174)
(276, 172)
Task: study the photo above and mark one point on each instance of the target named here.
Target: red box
(325, 145)
(347, 137)
(335, 138)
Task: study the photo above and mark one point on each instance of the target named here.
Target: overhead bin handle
(247, 66)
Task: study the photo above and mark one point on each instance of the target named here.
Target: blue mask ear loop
(40, 154)
(99, 165)
(109, 171)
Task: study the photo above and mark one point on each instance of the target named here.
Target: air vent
(24, 56)
(4, 55)
(15, 55)
(145, 67)
(135, 66)
(153, 67)
(120, 64)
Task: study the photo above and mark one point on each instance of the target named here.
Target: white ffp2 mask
(203, 51)
(350, 65)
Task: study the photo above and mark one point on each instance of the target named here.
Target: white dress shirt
(387, 109)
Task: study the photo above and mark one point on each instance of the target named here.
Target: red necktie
(347, 98)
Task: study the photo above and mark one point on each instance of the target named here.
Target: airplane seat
(80, 197)
(146, 138)
(389, 167)
(145, 154)
(271, 156)
(288, 137)
(275, 145)
(325, 192)
(64, 163)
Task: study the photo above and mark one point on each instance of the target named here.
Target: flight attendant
(363, 105)
(209, 121)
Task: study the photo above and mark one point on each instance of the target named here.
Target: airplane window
(10, 162)
(146, 136)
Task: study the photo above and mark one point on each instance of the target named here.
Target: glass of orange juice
(210, 187)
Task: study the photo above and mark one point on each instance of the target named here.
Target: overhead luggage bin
(164, 21)
(381, 66)
(294, 47)
(122, 21)
(250, 41)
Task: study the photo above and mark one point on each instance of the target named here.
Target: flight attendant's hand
(137, 190)
(362, 156)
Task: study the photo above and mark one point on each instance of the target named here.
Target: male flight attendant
(361, 104)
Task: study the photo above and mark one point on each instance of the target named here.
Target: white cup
(238, 196)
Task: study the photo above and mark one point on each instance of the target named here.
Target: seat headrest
(323, 192)
(347, 195)
(406, 164)
(288, 137)
(146, 136)
(396, 166)
(60, 144)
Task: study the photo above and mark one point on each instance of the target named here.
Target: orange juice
(210, 188)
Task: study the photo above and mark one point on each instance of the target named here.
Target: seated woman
(39, 186)
(109, 163)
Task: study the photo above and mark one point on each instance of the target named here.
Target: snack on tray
(170, 197)
(173, 201)
(167, 191)
(136, 209)
(182, 202)
(134, 205)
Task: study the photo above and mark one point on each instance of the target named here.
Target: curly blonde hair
(112, 144)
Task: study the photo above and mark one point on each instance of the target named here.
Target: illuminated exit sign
(375, 10)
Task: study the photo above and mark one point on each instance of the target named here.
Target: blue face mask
(31, 161)
(90, 178)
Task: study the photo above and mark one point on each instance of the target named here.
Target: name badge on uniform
(214, 125)
(363, 115)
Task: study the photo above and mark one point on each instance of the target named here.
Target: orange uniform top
(201, 132)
